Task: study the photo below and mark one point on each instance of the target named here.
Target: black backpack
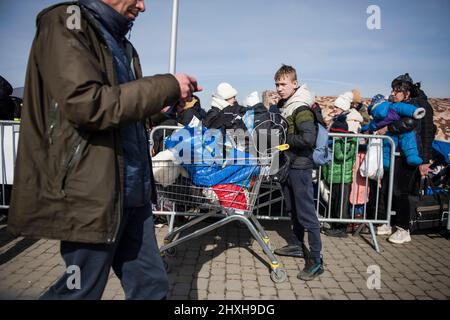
(267, 126)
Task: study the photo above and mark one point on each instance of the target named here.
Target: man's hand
(272, 100)
(424, 169)
(188, 85)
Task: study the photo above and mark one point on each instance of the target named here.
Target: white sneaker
(400, 236)
(384, 229)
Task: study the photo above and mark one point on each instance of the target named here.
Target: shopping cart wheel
(171, 252)
(278, 275)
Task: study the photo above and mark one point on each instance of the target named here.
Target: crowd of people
(89, 183)
(405, 116)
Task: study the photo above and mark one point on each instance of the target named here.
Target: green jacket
(341, 169)
(302, 129)
(68, 178)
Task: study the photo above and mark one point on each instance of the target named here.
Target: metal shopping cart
(182, 193)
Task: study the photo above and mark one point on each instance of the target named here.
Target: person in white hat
(344, 101)
(252, 100)
(353, 118)
(224, 107)
(224, 96)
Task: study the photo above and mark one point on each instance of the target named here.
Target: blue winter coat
(406, 142)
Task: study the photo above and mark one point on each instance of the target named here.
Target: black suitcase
(426, 211)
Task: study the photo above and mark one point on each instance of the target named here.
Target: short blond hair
(286, 71)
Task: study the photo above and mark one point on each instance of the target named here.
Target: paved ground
(228, 264)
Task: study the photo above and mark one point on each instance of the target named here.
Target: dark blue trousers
(134, 258)
(299, 200)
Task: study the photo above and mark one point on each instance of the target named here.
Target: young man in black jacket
(298, 189)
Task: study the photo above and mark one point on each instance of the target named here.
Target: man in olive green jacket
(84, 85)
(298, 188)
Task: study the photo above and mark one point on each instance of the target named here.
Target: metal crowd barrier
(270, 202)
(354, 196)
(353, 208)
(9, 136)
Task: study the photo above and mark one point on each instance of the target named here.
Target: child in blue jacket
(385, 113)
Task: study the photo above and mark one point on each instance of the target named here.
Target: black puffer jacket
(227, 118)
(186, 116)
(7, 105)
(425, 128)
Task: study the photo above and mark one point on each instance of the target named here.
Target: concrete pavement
(229, 264)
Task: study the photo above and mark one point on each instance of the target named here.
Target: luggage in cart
(226, 188)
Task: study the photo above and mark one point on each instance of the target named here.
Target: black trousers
(299, 199)
(406, 181)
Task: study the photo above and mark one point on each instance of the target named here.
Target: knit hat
(403, 78)
(226, 91)
(252, 99)
(344, 101)
(376, 100)
(356, 96)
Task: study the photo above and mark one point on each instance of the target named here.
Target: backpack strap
(317, 111)
(301, 109)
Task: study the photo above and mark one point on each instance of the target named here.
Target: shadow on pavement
(18, 248)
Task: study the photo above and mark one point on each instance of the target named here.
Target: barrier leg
(372, 234)
(374, 237)
(358, 231)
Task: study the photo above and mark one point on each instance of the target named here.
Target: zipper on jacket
(50, 133)
(120, 209)
(116, 232)
(52, 122)
(119, 216)
(74, 152)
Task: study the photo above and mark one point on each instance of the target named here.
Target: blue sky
(244, 42)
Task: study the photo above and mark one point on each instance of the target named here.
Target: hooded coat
(302, 129)
(69, 174)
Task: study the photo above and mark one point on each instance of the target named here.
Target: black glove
(403, 125)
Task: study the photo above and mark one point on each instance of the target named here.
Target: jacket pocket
(73, 158)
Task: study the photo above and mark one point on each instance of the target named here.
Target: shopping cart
(180, 193)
